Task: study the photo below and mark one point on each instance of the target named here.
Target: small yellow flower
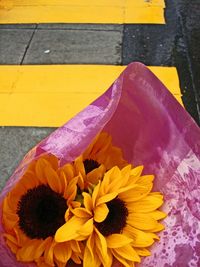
(118, 221)
(35, 208)
(99, 157)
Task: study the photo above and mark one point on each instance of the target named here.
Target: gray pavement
(60, 44)
(15, 143)
(13, 43)
(74, 46)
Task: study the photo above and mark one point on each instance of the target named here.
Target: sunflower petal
(69, 230)
(101, 243)
(159, 227)
(27, 252)
(116, 174)
(139, 238)
(125, 174)
(145, 179)
(59, 263)
(147, 204)
(41, 247)
(143, 252)
(53, 179)
(62, 252)
(26, 182)
(128, 188)
(82, 213)
(127, 252)
(90, 260)
(79, 166)
(106, 198)
(40, 166)
(63, 181)
(41, 263)
(158, 215)
(87, 201)
(69, 171)
(21, 237)
(75, 258)
(53, 160)
(117, 240)
(156, 194)
(108, 178)
(105, 261)
(71, 191)
(114, 158)
(90, 244)
(75, 246)
(11, 238)
(142, 221)
(96, 175)
(8, 203)
(101, 212)
(135, 194)
(101, 142)
(120, 259)
(48, 254)
(95, 194)
(87, 228)
(13, 247)
(136, 172)
(10, 218)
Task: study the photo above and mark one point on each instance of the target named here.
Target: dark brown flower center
(41, 212)
(116, 218)
(90, 165)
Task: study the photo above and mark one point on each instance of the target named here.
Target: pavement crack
(28, 45)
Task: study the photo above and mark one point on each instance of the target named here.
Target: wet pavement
(174, 44)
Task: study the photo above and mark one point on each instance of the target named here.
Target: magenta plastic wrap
(154, 130)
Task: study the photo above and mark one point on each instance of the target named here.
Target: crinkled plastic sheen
(152, 129)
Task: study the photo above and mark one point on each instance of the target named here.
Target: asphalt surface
(174, 44)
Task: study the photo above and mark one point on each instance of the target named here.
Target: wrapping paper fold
(152, 129)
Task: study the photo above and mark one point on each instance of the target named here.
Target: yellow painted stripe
(153, 15)
(50, 95)
(169, 77)
(118, 3)
(80, 11)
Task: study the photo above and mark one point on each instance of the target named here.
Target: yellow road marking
(118, 3)
(81, 11)
(169, 77)
(50, 95)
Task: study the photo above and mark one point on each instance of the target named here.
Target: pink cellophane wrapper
(153, 130)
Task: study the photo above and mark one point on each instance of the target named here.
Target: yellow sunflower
(99, 157)
(118, 220)
(35, 208)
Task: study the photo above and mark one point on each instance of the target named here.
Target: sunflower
(99, 157)
(118, 220)
(35, 208)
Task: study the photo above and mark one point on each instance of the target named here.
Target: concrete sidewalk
(61, 44)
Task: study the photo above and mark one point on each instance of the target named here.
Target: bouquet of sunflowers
(91, 194)
(93, 210)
